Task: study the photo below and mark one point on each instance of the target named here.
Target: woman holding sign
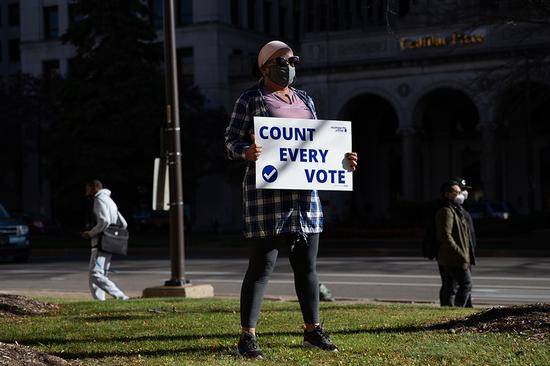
(277, 219)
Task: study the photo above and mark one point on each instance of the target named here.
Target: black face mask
(283, 75)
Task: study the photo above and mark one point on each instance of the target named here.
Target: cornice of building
(501, 56)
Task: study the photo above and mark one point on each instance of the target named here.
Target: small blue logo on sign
(270, 173)
(339, 129)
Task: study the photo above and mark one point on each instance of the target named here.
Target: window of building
(253, 59)
(51, 22)
(186, 68)
(309, 19)
(13, 15)
(404, 7)
(73, 13)
(267, 16)
(490, 5)
(156, 13)
(251, 10)
(71, 66)
(373, 12)
(334, 9)
(372, 5)
(0, 16)
(1, 53)
(347, 15)
(380, 11)
(282, 21)
(184, 12)
(323, 15)
(297, 15)
(235, 13)
(14, 53)
(50, 69)
(310, 16)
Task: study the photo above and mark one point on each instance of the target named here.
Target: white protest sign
(303, 154)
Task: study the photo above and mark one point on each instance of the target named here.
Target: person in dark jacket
(473, 241)
(462, 198)
(453, 232)
(430, 244)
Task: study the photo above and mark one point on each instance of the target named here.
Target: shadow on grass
(157, 338)
(107, 318)
(225, 336)
(150, 353)
(210, 349)
(169, 309)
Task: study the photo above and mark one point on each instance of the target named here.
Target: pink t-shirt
(278, 107)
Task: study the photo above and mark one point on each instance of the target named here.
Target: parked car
(14, 237)
(38, 224)
(148, 219)
(499, 210)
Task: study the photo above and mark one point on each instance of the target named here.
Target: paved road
(496, 280)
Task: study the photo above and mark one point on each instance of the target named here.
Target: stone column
(488, 158)
(408, 166)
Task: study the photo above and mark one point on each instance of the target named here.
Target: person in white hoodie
(106, 213)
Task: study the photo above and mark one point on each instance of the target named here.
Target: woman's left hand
(352, 159)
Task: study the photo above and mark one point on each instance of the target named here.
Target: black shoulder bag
(114, 240)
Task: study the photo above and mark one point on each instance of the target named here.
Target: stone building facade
(439, 89)
(434, 88)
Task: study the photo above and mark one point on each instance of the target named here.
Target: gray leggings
(302, 255)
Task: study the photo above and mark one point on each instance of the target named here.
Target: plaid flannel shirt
(269, 212)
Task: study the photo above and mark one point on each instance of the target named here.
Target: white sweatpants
(99, 280)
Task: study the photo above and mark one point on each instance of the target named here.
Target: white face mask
(463, 196)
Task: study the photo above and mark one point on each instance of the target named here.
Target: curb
(85, 296)
(239, 252)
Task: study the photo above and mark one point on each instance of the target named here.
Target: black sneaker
(248, 346)
(317, 338)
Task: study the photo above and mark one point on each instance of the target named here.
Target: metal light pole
(173, 151)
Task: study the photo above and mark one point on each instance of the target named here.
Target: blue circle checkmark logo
(269, 173)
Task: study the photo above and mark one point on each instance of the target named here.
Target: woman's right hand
(252, 153)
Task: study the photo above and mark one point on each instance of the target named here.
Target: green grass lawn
(204, 332)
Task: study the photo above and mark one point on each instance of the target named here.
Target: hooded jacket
(106, 213)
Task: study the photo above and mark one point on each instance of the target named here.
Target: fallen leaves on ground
(16, 305)
(532, 321)
(17, 355)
